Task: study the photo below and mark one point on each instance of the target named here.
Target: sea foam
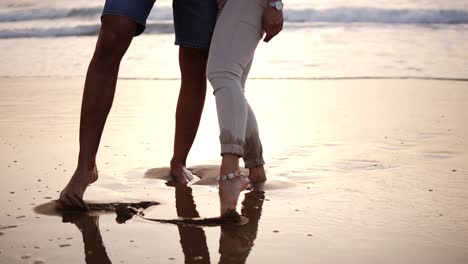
(160, 19)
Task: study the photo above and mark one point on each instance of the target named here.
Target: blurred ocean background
(322, 39)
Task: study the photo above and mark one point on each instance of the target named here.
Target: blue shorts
(194, 20)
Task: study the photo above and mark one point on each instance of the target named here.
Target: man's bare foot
(257, 175)
(182, 175)
(229, 191)
(72, 195)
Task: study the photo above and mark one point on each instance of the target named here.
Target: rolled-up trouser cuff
(254, 163)
(232, 149)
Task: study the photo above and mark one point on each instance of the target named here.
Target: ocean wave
(39, 14)
(375, 15)
(81, 30)
(49, 32)
(333, 15)
(164, 13)
(160, 20)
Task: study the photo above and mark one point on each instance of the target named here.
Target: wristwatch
(278, 5)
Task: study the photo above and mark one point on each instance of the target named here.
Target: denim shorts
(194, 20)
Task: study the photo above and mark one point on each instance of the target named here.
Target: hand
(272, 22)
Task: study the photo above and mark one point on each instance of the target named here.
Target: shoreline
(339, 78)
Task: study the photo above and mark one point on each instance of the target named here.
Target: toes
(78, 202)
(64, 203)
(186, 177)
(194, 180)
(171, 183)
(73, 202)
(232, 217)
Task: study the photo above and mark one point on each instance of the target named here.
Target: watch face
(279, 5)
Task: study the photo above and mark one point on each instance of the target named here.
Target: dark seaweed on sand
(126, 211)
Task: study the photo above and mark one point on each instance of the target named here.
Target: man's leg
(114, 38)
(194, 22)
(192, 62)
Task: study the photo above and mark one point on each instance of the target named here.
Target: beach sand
(360, 171)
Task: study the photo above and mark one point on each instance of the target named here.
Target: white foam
(375, 15)
(48, 13)
(49, 32)
(76, 21)
(332, 15)
(161, 13)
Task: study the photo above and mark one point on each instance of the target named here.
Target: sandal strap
(230, 176)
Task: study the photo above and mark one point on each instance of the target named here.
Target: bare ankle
(86, 168)
(229, 164)
(257, 174)
(84, 164)
(177, 163)
(257, 170)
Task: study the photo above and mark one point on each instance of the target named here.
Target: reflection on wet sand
(192, 238)
(95, 251)
(235, 244)
(236, 241)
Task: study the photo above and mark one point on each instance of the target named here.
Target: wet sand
(360, 171)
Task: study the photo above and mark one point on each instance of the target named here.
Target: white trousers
(237, 34)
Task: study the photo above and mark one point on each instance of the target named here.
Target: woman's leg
(253, 151)
(236, 36)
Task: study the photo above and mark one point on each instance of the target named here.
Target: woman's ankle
(229, 164)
